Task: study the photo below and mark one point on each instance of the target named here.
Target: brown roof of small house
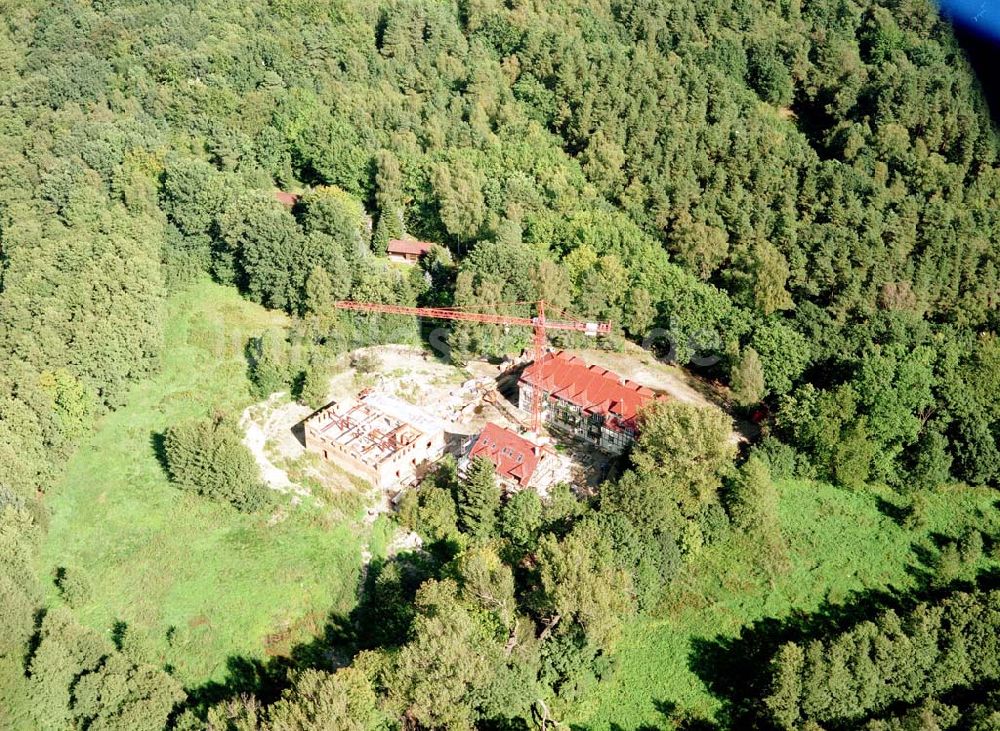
(285, 198)
(408, 246)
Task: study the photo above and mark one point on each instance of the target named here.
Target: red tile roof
(408, 246)
(513, 456)
(285, 198)
(592, 388)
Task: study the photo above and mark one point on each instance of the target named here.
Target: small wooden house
(285, 198)
(407, 251)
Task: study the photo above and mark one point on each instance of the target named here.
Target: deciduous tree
(687, 448)
(748, 379)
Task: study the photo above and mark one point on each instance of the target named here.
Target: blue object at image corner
(977, 16)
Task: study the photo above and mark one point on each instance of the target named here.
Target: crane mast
(539, 324)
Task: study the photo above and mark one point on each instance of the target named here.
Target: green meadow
(199, 582)
(840, 546)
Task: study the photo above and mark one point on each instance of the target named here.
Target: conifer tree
(208, 456)
(478, 499)
(344, 701)
(786, 685)
(865, 669)
(754, 503)
(462, 341)
(315, 384)
(389, 227)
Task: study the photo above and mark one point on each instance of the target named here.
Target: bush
(932, 463)
(268, 363)
(134, 644)
(783, 461)
(365, 362)
(208, 457)
(714, 522)
(73, 585)
(692, 539)
(652, 558)
(971, 547)
(571, 666)
(947, 566)
(916, 512)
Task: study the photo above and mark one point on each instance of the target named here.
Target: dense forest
(800, 200)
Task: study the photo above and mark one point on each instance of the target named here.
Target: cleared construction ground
(462, 400)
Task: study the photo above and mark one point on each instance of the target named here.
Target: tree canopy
(800, 200)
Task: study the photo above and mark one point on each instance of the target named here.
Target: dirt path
(637, 364)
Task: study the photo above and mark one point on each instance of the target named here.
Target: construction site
(543, 418)
(391, 432)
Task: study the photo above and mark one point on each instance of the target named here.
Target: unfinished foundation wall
(343, 459)
(401, 466)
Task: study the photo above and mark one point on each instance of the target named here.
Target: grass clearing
(839, 543)
(201, 581)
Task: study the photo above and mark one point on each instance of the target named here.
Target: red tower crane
(539, 324)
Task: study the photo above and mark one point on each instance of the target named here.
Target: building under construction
(585, 401)
(380, 438)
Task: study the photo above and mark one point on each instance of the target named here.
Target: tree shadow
(298, 382)
(677, 718)
(34, 640)
(897, 513)
(158, 442)
(251, 354)
(503, 723)
(673, 718)
(244, 676)
(922, 572)
(382, 619)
